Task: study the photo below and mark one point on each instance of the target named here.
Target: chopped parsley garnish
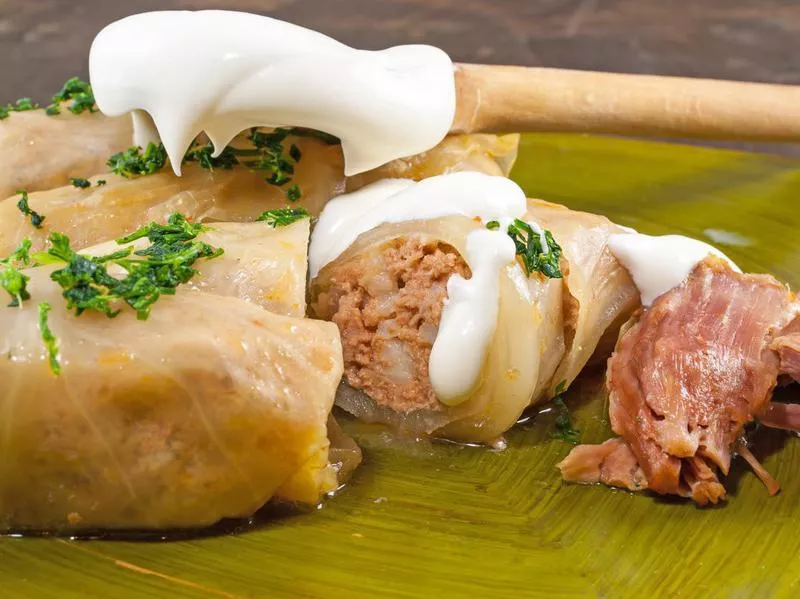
(327, 138)
(36, 218)
(536, 255)
(154, 271)
(134, 161)
(77, 90)
(11, 278)
(281, 217)
(100, 182)
(272, 158)
(202, 154)
(293, 193)
(21, 105)
(493, 225)
(268, 154)
(565, 431)
(48, 338)
(80, 183)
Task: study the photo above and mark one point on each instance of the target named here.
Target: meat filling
(387, 305)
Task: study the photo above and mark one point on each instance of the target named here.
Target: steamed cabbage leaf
(204, 411)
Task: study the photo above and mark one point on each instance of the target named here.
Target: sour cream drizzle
(658, 264)
(470, 311)
(222, 72)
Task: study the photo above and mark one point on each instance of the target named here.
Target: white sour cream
(222, 72)
(470, 312)
(470, 194)
(658, 264)
(469, 317)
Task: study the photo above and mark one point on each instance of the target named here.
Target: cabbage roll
(489, 154)
(599, 294)
(205, 411)
(121, 205)
(41, 151)
(386, 294)
(262, 265)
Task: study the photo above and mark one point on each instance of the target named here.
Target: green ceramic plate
(441, 520)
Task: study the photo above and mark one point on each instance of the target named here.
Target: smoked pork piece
(206, 410)
(686, 378)
(41, 151)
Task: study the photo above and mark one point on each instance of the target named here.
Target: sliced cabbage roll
(599, 294)
(206, 410)
(490, 154)
(41, 151)
(262, 265)
(386, 294)
(106, 211)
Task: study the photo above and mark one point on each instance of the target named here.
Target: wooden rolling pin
(505, 99)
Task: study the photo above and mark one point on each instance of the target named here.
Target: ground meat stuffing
(387, 305)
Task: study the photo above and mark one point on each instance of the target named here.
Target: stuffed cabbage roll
(489, 154)
(386, 294)
(41, 151)
(121, 205)
(265, 266)
(206, 410)
(599, 294)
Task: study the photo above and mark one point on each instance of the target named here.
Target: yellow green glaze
(423, 520)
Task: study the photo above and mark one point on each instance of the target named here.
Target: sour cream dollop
(222, 72)
(660, 263)
(469, 317)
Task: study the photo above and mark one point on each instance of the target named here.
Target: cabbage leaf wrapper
(122, 205)
(205, 411)
(41, 151)
(489, 154)
(386, 294)
(598, 293)
(262, 265)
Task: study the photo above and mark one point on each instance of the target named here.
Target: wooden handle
(505, 99)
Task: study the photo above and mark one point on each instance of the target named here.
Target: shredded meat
(611, 463)
(388, 305)
(695, 369)
(788, 348)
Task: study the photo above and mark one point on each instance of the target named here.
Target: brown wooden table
(44, 42)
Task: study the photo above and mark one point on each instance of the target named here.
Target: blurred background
(44, 42)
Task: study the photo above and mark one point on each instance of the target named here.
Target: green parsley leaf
(493, 225)
(79, 183)
(202, 154)
(281, 217)
(100, 182)
(327, 138)
(48, 338)
(36, 218)
(12, 280)
(155, 271)
(271, 157)
(565, 431)
(293, 193)
(77, 90)
(21, 105)
(134, 161)
(535, 255)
